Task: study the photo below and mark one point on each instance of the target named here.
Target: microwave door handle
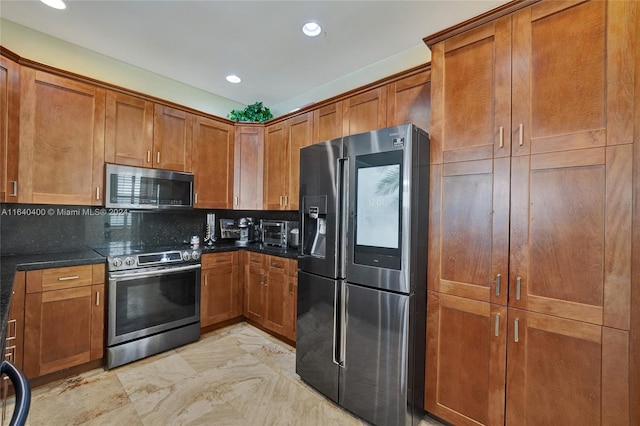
(118, 276)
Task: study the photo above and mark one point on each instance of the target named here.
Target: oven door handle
(117, 275)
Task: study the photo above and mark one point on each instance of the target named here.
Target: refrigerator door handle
(336, 350)
(343, 214)
(343, 322)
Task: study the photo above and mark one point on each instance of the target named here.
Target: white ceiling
(199, 42)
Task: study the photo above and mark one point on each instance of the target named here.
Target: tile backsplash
(35, 228)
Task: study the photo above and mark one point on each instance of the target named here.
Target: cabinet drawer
(217, 259)
(256, 259)
(278, 264)
(61, 278)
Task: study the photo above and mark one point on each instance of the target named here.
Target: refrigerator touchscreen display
(378, 205)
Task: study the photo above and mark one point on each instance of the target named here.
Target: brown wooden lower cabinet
(487, 364)
(270, 293)
(220, 288)
(64, 318)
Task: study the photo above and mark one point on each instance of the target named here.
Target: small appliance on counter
(245, 224)
(229, 229)
(276, 232)
(210, 230)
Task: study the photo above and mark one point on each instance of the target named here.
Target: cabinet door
(220, 295)
(471, 94)
(327, 122)
(61, 140)
(577, 371)
(129, 130)
(291, 301)
(212, 164)
(15, 325)
(571, 222)
(172, 138)
(563, 99)
(469, 229)
(409, 101)
(276, 141)
(54, 339)
(300, 135)
(255, 280)
(365, 112)
(249, 163)
(276, 293)
(465, 360)
(9, 129)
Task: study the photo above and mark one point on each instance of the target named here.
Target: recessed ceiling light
(56, 4)
(311, 29)
(233, 79)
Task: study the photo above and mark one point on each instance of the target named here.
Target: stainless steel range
(154, 301)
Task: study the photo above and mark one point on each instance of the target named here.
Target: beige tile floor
(238, 375)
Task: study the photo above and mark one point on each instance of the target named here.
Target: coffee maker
(247, 231)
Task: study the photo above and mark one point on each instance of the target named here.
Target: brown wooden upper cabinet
(282, 161)
(365, 112)
(61, 157)
(9, 131)
(327, 122)
(213, 156)
(129, 130)
(248, 167)
(409, 101)
(172, 138)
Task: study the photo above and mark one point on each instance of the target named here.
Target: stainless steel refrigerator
(362, 272)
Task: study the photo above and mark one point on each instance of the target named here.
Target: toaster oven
(276, 232)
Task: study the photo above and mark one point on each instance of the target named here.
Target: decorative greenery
(255, 112)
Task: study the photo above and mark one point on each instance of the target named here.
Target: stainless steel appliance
(277, 232)
(362, 272)
(139, 188)
(153, 301)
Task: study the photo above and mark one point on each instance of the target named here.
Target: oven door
(149, 301)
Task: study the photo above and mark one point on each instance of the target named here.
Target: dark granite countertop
(28, 262)
(254, 247)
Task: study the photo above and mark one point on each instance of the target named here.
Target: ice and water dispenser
(314, 225)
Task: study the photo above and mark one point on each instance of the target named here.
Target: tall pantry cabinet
(531, 298)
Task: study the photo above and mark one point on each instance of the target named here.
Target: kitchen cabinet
(409, 101)
(172, 138)
(291, 301)
(220, 295)
(282, 161)
(254, 282)
(129, 130)
(15, 325)
(365, 112)
(531, 212)
(61, 158)
(275, 293)
(9, 128)
(248, 167)
(213, 152)
(64, 318)
(327, 122)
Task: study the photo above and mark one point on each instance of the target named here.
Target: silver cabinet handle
(97, 193)
(15, 188)
(521, 134)
(497, 325)
(501, 137)
(158, 157)
(148, 156)
(196, 197)
(286, 200)
(97, 298)
(518, 284)
(236, 200)
(206, 280)
(516, 337)
(281, 199)
(74, 277)
(498, 284)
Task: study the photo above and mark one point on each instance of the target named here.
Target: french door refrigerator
(362, 272)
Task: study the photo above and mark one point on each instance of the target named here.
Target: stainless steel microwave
(139, 188)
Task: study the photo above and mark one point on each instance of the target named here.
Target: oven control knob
(117, 262)
(186, 256)
(129, 261)
(195, 255)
